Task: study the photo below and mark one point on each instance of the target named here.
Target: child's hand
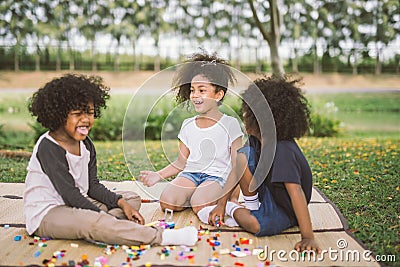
(217, 215)
(307, 244)
(131, 213)
(135, 216)
(149, 178)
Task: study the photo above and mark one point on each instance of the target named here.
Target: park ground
(120, 80)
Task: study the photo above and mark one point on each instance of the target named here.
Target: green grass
(358, 102)
(360, 175)
(361, 114)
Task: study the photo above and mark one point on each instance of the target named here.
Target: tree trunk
(354, 64)
(258, 62)
(276, 63)
(316, 61)
(37, 60)
(273, 36)
(116, 57)
(157, 63)
(135, 58)
(296, 37)
(295, 62)
(71, 59)
(237, 63)
(94, 57)
(116, 62)
(58, 59)
(16, 54)
(378, 63)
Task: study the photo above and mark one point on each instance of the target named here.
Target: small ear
(220, 94)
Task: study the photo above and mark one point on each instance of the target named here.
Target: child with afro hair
(64, 198)
(284, 191)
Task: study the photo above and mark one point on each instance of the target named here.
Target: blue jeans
(272, 219)
(199, 177)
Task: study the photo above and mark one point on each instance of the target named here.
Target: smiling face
(203, 95)
(77, 125)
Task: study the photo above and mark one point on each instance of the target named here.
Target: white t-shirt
(210, 147)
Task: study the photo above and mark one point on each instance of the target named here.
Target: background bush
(165, 121)
(322, 126)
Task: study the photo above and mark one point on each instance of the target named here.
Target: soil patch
(123, 80)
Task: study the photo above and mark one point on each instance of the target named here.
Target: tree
(385, 21)
(16, 20)
(273, 36)
(297, 18)
(91, 22)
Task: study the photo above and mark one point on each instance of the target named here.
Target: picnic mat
(215, 246)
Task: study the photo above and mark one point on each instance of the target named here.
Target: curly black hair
(214, 68)
(289, 107)
(52, 103)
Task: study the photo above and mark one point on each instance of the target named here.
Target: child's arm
(229, 186)
(150, 178)
(299, 204)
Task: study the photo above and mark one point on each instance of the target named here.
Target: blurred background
(315, 36)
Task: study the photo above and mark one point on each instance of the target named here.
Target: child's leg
(235, 195)
(64, 222)
(246, 178)
(177, 194)
(206, 194)
(103, 227)
(246, 220)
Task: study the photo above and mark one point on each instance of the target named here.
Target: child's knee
(254, 228)
(132, 198)
(166, 205)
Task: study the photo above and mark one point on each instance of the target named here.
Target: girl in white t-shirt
(208, 141)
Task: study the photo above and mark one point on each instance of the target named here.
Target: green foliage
(359, 102)
(323, 126)
(165, 120)
(109, 126)
(360, 114)
(2, 134)
(38, 130)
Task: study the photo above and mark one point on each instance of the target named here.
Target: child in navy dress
(282, 196)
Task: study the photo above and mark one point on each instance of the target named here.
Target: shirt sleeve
(183, 132)
(96, 189)
(234, 130)
(54, 164)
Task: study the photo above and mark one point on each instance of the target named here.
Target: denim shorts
(271, 218)
(199, 177)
